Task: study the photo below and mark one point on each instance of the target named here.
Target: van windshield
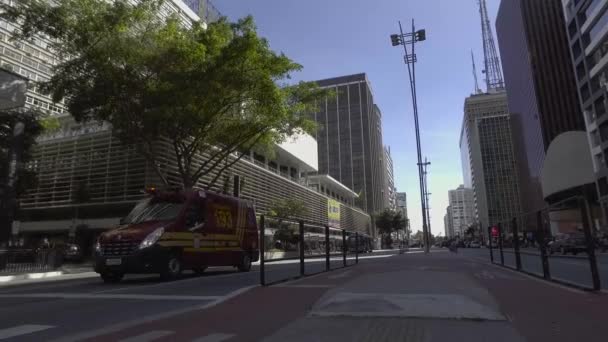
(153, 210)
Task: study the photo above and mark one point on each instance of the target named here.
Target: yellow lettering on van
(223, 217)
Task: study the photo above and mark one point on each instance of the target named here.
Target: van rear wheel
(245, 264)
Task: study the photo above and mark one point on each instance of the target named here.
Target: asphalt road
(570, 269)
(74, 309)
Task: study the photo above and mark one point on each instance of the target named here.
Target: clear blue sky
(339, 37)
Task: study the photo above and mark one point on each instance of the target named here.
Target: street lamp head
(421, 35)
(395, 39)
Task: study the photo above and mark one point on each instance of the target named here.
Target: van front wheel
(172, 269)
(245, 264)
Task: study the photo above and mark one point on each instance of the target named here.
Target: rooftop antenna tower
(477, 89)
(493, 71)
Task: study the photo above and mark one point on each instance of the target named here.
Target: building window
(603, 186)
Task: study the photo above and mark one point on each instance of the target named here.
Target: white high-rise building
(462, 210)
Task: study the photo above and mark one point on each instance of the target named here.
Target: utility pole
(427, 236)
(410, 60)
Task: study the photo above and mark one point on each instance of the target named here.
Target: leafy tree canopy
(288, 208)
(215, 89)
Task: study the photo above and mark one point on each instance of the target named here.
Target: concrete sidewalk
(411, 298)
(448, 297)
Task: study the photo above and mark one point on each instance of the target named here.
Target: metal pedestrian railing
(558, 243)
(307, 248)
(17, 261)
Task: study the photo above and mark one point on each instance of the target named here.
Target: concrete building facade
(389, 181)
(488, 159)
(462, 210)
(540, 85)
(448, 223)
(350, 139)
(586, 25)
(401, 202)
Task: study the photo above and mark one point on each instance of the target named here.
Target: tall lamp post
(410, 60)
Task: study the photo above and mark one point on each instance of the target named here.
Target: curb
(29, 276)
(38, 278)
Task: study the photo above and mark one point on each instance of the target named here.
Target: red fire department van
(172, 231)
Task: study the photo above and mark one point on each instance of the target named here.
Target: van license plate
(113, 262)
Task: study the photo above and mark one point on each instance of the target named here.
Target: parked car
(568, 243)
(576, 243)
(475, 244)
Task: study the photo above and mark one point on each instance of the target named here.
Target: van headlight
(152, 238)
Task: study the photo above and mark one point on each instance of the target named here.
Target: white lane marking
(341, 275)
(304, 286)
(214, 338)
(125, 325)
(107, 296)
(149, 336)
(22, 330)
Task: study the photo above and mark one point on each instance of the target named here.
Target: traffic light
(395, 39)
(421, 35)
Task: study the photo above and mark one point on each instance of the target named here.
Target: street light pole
(410, 61)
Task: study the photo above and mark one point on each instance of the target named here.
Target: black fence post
(262, 251)
(490, 244)
(327, 264)
(344, 246)
(356, 248)
(541, 244)
(502, 254)
(302, 245)
(516, 243)
(595, 276)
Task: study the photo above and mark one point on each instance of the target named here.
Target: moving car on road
(172, 231)
(475, 244)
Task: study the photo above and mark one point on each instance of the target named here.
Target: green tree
(385, 223)
(214, 89)
(288, 208)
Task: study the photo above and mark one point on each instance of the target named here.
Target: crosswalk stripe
(22, 330)
(108, 296)
(149, 336)
(214, 338)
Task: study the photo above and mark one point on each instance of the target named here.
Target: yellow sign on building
(333, 213)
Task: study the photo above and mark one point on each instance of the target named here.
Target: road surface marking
(108, 296)
(129, 324)
(22, 330)
(341, 275)
(214, 338)
(304, 286)
(149, 336)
